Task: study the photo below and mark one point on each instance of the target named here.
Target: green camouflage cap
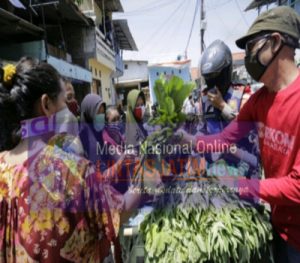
(282, 19)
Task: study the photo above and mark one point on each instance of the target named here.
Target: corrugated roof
(64, 10)
(14, 28)
(257, 3)
(124, 35)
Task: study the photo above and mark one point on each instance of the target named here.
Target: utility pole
(202, 31)
(202, 26)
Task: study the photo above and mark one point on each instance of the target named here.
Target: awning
(70, 70)
(257, 3)
(123, 34)
(71, 12)
(67, 11)
(15, 29)
(14, 51)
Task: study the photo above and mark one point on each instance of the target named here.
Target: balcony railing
(104, 48)
(59, 53)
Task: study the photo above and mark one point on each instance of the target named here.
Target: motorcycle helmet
(216, 66)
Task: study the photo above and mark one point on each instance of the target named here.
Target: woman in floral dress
(54, 205)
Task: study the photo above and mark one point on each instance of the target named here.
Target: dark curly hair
(17, 102)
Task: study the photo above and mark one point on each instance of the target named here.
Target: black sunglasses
(251, 43)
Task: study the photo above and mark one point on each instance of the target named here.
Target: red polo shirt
(276, 115)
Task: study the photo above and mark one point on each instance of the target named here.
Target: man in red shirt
(274, 111)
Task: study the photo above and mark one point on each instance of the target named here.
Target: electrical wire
(164, 29)
(217, 6)
(177, 29)
(192, 26)
(143, 11)
(233, 31)
(241, 12)
(164, 25)
(149, 5)
(222, 22)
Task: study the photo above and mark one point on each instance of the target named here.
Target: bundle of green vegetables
(196, 226)
(170, 96)
(201, 225)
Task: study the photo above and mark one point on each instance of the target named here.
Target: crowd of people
(55, 204)
(65, 186)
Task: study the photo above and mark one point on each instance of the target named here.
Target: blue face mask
(99, 122)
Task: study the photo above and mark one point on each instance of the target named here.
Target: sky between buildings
(161, 27)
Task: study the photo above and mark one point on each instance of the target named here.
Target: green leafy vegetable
(200, 231)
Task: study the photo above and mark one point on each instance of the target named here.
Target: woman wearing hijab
(112, 135)
(92, 123)
(113, 154)
(135, 136)
(135, 132)
(93, 135)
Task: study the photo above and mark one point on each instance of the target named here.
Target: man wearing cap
(274, 111)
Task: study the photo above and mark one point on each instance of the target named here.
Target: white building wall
(134, 70)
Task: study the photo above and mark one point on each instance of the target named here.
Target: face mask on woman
(99, 122)
(114, 127)
(73, 107)
(139, 112)
(66, 122)
(62, 121)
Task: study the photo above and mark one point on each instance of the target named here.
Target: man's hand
(185, 138)
(216, 99)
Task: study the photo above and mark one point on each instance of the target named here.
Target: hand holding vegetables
(185, 138)
(197, 221)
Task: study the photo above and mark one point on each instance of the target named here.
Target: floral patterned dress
(51, 210)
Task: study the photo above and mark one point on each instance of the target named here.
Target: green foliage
(170, 97)
(191, 227)
(208, 226)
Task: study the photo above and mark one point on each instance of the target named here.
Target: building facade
(82, 42)
(104, 44)
(39, 30)
(135, 77)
